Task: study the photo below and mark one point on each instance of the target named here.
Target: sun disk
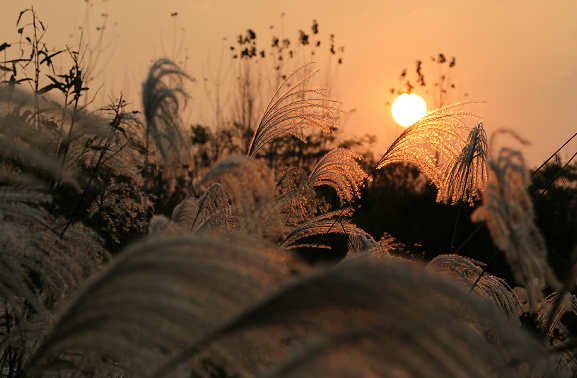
(408, 109)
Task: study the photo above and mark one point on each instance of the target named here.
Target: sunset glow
(408, 109)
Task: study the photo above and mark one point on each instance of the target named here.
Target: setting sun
(408, 109)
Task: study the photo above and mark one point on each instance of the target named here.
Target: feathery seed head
(362, 244)
(465, 174)
(508, 211)
(161, 106)
(339, 169)
(251, 187)
(293, 110)
(468, 273)
(297, 197)
(332, 221)
(549, 316)
(212, 212)
(165, 293)
(440, 131)
(363, 325)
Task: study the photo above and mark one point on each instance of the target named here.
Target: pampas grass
(293, 110)
(470, 275)
(508, 211)
(361, 324)
(216, 289)
(161, 103)
(465, 174)
(440, 131)
(552, 309)
(162, 294)
(339, 169)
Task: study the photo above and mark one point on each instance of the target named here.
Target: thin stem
(348, 237)
(471, 156)
(195, 218)
(68, 139)
(87, 186)
(455, 229)
(145, 173)
(552, 156)
(554, 178)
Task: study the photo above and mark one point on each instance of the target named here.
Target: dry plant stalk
(508, 211)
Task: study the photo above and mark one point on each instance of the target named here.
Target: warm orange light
(408, 109)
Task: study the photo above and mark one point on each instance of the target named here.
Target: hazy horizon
(518, 57)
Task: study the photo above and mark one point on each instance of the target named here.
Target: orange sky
(518, 56)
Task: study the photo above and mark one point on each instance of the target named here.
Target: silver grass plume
(439, 130)
(39, 270)
(508, 210)
(469, 272)
(37, 147)
(160, 225)
(355, 320)
(32, 245)
(161, 103)
(291, 111)
(339, 169)
(324, 223)
(212, 212)
(251, 187)
(363, 244)
(40, 160)
(465, 174)
(297, 197)
(162, 294)
(552, 309)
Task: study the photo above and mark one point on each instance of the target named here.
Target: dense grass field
(135, 245)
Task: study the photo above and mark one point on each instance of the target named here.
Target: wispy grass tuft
(212, 212)
(491, 288)
(360, 323)
(323, 224)
(162, 294)
(161, 96)
(465, 174)
(434, 137)
(251, 186)
(552, 309)
(339, 169)
(290, 112)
